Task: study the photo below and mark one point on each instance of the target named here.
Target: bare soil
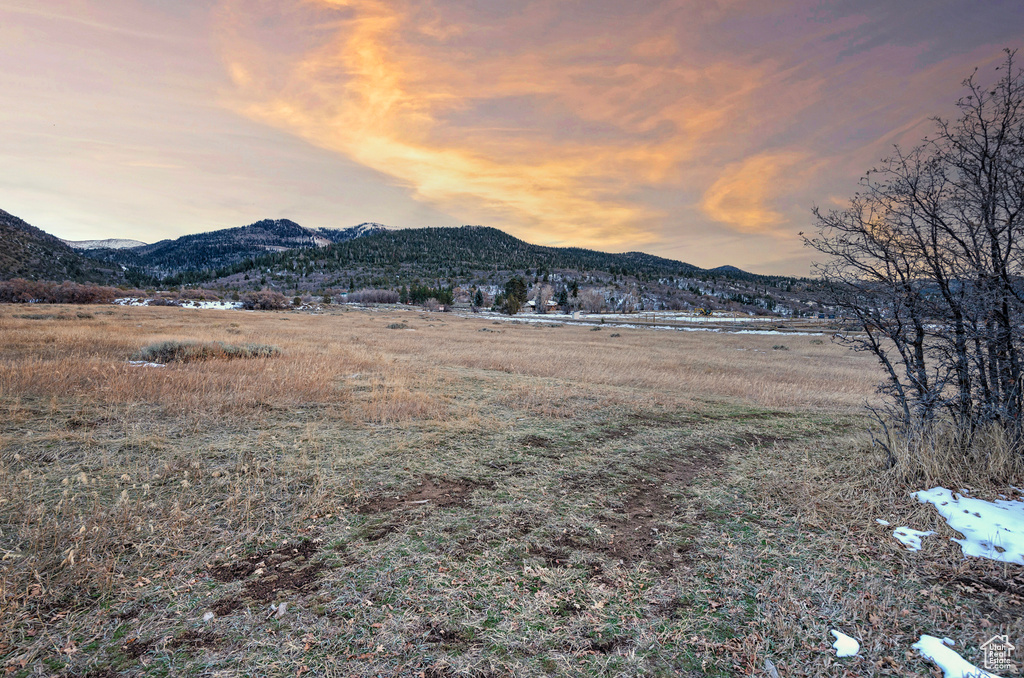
(439, 492)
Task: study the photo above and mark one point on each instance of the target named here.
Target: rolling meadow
(397, 493)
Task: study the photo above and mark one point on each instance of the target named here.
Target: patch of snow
(952, 664)
(185, 303)
(883, 523)
(797, 334)
(993, 530)
(563, 319)
(143, 363)
(845, 646)
(218, 305)
(910, 538)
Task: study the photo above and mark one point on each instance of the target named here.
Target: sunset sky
(698, 130)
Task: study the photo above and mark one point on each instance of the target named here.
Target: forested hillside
(31, 253)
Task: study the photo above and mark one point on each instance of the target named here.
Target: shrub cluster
(191, 351)
(198, 294)
(372, 297)
(264, 300)
(21, 291)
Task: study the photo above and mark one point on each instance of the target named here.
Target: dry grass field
(409, 494)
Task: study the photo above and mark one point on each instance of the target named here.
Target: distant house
(531, 304)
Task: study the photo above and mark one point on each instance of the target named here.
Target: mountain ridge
(32, 253)
(211, 250)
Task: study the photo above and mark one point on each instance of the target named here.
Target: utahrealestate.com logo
(997, 654)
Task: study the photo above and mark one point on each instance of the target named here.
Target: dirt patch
(195, 639)
(552, 557)
(448, 637)
(134, 648)
(265, 560)
(286, 568)
(682, 468)
(226, 606)
(604, 435)
(131, 611)
(536, 441)
(378, 532)
(607, 644)
(638, 535)
(439, 492)
(302, 579)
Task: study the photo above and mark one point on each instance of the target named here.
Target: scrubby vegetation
(929, 258)
(264, 300)
(192, 351)
(21, 291)
(372, 297)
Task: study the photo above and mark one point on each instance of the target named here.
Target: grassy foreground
(405, 494)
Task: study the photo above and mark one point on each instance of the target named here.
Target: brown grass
(443, 501)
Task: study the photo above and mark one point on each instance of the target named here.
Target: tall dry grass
(88, 358)
(118, 481)
(948, 456)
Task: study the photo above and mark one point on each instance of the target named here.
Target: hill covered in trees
(33, 254)
(459, 262)
(216, 249)
(449, 253)
(465, 264)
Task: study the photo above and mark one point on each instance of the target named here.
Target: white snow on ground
(993, 530)
(797, 334)
(217, 305)
(845, 646)
(952, 664)
(883, 523)
(143, 363)
(185, 303)
(560, 319)
(910, 538)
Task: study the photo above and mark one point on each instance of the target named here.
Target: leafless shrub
(592, 300)
(929, 257)
(19, 290)
(198, 294)
(372, 297)
(264, 300)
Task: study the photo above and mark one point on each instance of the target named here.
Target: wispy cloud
(586, 121)
(698, 129)
(743, 195)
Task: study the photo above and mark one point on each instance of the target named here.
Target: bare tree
(541, 296)
(928, 257)
(592, 300)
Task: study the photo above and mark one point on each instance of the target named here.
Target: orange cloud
(744, 195)
(546, 139)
